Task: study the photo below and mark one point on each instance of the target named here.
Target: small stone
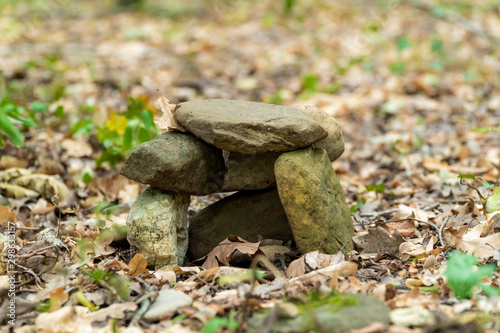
(334, 142)
(334, 314)
(167, 304)
(314, 201)
(248, 127)
(248, 171)
(413, 316)
(247, 214)
(177, 162)
(157, 226)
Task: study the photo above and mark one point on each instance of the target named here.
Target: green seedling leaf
(38, 107)
(310, 82)
(467, 176)
(127, 138)
(436, 45)
(59, 113)
(397, 68)
(80, 298)
(240, 277)
(87, 177)
(488, 185)
(216, 323)
(462, 274)
(358, 205)
(481, 129)
(178, 319)
(493, 201)
(403, 43)
(147, 119)
(119, 283)
(379, 188)
(83, 127)
(12, 132)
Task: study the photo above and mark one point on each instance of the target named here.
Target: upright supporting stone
(157, 226)
(313, 201)
(247, 214)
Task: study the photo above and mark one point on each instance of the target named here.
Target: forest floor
(414, 84)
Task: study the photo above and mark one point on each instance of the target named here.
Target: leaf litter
(412, 130)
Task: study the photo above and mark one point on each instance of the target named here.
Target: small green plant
(490, 201)
(216, 323)
(360, 203)
(378, 188)
(463, 275)
(11, 113)
(119, 283)
(124, 131)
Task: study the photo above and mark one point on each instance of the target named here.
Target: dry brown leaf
(57, 298)
(226, 249)
(313, 261)
(406, 228)
(410, 249)
(296, 268)
(77, 147)
(167, 121)
(317, 260)
(137, 266)
(6, 215)
(114, 311)
(379, 239)
(321, 276)
(472, 242)
(7, 162)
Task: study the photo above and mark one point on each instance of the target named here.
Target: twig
(441, 230)
(259, 259)
(388, 211)
(34, 252)
(411, 219)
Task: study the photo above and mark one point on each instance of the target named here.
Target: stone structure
(276, 157)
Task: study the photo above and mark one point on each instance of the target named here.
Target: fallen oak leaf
(137, 266)
(228, 248)
(167, 121)
(472, 242)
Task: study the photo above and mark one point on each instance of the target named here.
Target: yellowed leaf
(14, 191)
(44, 184)
(12, 173)
(167, 121)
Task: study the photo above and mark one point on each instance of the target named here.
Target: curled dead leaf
(167, 121)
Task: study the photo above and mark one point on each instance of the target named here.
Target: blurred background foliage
(94, 68)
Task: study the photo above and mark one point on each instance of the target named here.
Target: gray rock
(248, 127)
(167, 304)
(157, 226)
(334, 142)
(314, 201)
(247, 214)
(248, 171)
(335, 314)
(177, 162)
